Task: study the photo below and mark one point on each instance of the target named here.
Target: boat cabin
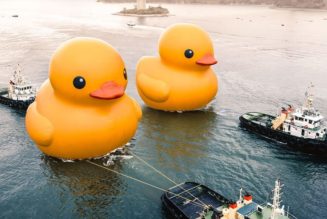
(19, 88)
(305, 123)
(308, 119)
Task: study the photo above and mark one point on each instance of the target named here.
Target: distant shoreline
(149, 11)
(304, 4)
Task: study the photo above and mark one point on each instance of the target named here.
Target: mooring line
(165, 176)
(145, 183)
(158, 171)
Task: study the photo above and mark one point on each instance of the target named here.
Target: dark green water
(262, 66)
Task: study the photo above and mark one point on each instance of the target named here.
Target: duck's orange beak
(207, 59)
(109, 90)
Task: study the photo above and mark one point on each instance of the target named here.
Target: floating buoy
(82, 110)
(181, 78)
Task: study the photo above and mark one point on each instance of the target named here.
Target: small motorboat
(301, 128)
(131, 24)
(192, 200)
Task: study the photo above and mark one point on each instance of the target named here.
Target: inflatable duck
(82, 110)
(181, 79)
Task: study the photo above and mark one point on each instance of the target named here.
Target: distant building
(140, 4)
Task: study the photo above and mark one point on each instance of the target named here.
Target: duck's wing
(154, 89)
(38, 127)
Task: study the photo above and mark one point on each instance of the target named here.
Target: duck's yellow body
(71, 119)
(181, 78)
(170, 89)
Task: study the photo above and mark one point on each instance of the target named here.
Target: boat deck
(266, 213)
(259, 118)
(190, 198)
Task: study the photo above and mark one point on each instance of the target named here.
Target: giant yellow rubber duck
(82, 110)
(181, 78)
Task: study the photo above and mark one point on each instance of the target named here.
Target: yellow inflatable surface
(82, 110)
(181, 78)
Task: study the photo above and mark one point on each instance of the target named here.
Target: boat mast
(276, 199)
(309, 97)
(18, 78)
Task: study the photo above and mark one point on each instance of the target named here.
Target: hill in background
(279, 3)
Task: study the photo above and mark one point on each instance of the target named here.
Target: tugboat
(191, 200)
(19, 94)
(301, 128)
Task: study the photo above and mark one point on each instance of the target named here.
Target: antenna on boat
(17, 77)
(309, 96)
(241, 194)
(276, 199)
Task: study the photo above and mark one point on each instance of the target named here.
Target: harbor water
(267, 57)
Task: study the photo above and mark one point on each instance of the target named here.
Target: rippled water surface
(267, 57)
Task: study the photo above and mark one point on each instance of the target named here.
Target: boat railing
(287, 213)
(291, 216)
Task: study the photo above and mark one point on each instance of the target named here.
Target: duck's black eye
(125, 74)
(79, 82)
(188, 53)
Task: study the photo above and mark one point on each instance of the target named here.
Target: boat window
(305, 120)
(310, 121)
(289, 128)
(303, 132)
(317, 134)
(295, 117)
(301, 119)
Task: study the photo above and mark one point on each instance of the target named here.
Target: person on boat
(290, 110)
(284, 110)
